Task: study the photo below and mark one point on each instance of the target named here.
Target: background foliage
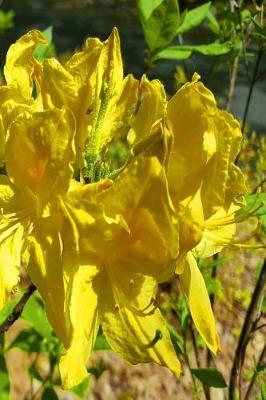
(225, 42)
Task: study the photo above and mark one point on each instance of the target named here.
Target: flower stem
(251, 87)
(254, 376)
(244, 335)
(17, 311)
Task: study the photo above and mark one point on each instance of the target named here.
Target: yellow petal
(194, 287)
(217, 233)
(157, 143)
(81, 299)
(137, 338)
(43, 144)
(82, 66)
(98, 232)
(141, 197)
(151, 109)
(45, 268)
(216, 181)
(187, 113)
(14, 221)
(20, 63)
(11, 103)
(83, 309)
(121, 115)
(109, 83)
(56, 85)
(10, 249)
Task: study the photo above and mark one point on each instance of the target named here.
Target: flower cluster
(97, 241)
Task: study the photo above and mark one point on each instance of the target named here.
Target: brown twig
(17, 311)
(254, 376)
(251, 87)
(232, 83)
(246, 329)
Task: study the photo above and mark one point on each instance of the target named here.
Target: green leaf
(82, 389)
(176, 339)
(210, 377)
(34, 314)
(211, 49)
(212, 22)
(34, 373)
(256, 207)
(183, 52)
(262, 220)
(160, 28)
(146, 7)
(193, 18)
(213, 285)
(263, 391)
(49, 394)
(28, 340)
(101, 343)
(256, 201)
(8, 307)
(45, 50)
(97, 370)
(4, 379)
(173, 53)
(261, 368)
(6, 20)
(205, 263)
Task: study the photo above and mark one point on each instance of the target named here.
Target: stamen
(232, 218)
(158, 336)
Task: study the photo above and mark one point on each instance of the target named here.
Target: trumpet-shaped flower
(16, 95)
(96, 252)
(99, 249)
(91, 84)
(203, 180)
(37, 176)
(126, 242)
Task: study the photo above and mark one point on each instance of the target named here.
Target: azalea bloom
(36, 177)
(88, 248)
(126, 243)
(97, 249)
(200, 145)
(91, 84)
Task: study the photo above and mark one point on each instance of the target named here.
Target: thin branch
(251, 87)
(254, 376)
(243, 339)
(17, 311)
(212, 299)
(232, 83)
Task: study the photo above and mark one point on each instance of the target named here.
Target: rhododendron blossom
(97, 240)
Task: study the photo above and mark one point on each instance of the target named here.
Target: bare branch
(17, 311)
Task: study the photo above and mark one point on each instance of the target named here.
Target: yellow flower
(204, 182)
(91, 84)
(20, 63)
(39, 157)
(16, 95)
(126, 242)
(200, 143)
(100, 249)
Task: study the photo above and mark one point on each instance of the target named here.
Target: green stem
(243, 339)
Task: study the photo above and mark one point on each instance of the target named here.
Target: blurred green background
(75, 20)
